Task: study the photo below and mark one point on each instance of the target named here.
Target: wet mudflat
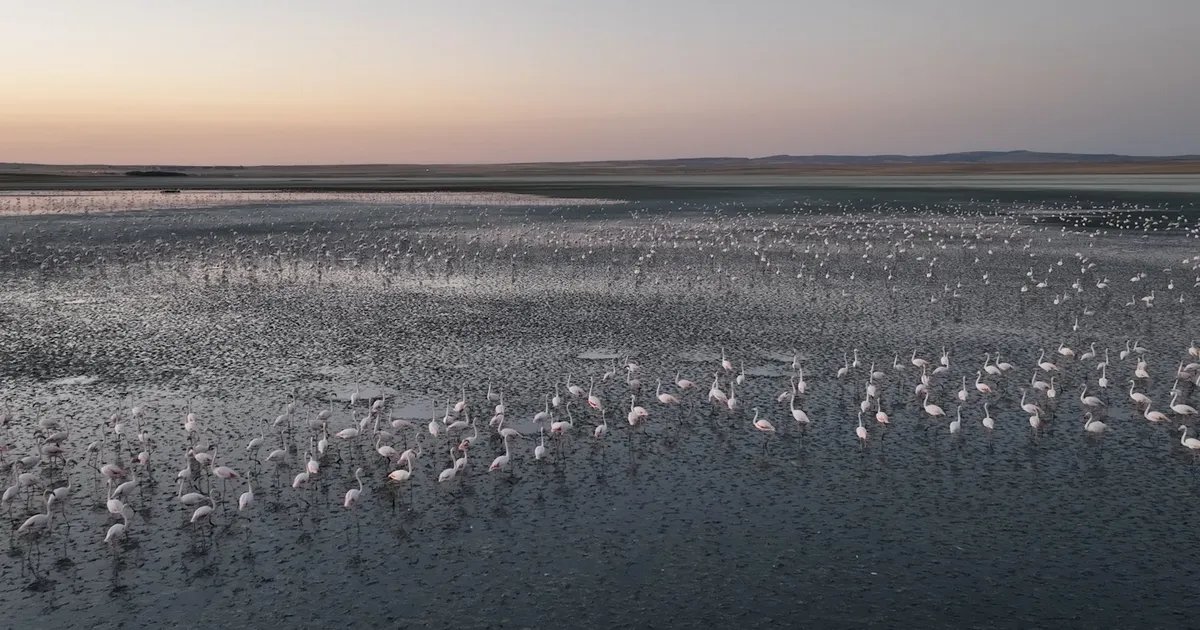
(257, 317)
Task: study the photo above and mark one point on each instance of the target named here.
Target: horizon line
(1132, 156)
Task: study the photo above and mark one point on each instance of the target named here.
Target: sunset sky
(358, 81)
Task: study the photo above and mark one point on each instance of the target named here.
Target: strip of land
(975, 162)
(975, 170)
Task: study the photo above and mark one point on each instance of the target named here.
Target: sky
(480, 81)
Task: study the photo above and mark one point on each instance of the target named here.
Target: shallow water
(692, 518)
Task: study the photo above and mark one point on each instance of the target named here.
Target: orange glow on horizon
(142, 82)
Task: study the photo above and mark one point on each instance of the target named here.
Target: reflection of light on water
(81, 202)
(73, 380)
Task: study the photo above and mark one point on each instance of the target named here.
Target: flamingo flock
(395, 447)
(759, 339)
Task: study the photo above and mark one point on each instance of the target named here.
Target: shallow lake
(693, 517)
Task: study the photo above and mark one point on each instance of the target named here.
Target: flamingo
(124, 489)
(469, 440)
(592, 400)
(1154, 416)
(277, 455)
(203, 512)
(1103, 364)
(788, 393)
(918, 363)
(987, 367)
(1191, 443)
(762, 424)
(313, 466)
(544, 414)
(599, 432)
(257, 442)
(400, 475)
(246, 501)
(385, 451)
(1046, 366)
(1140, 371)
(715, 394)
(666, 399)
(932, 410)
(539, 452)
(880, 416)
(435, 429)
(449, 473)
(501, 462)
(1183, 410)
(765, 426)
(300, 479)
(204, 459)
(1029, 408)
(574, 390)
(1138, 397)
(1093, 427)
(353, 493)
(462, 402)
(562, 426)
(1089, 401)
(37, 522)
(798, 414)
(983, 388)
(635, 413)
(988, 422)
(225, 473)
(190, 499)
(874, 374)
(117, 531)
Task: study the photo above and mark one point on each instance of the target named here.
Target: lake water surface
(692, 518)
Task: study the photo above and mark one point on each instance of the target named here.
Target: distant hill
(306, 176)
(967, 157)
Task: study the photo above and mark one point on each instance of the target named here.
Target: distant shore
(140, 176)
(1134, 179)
